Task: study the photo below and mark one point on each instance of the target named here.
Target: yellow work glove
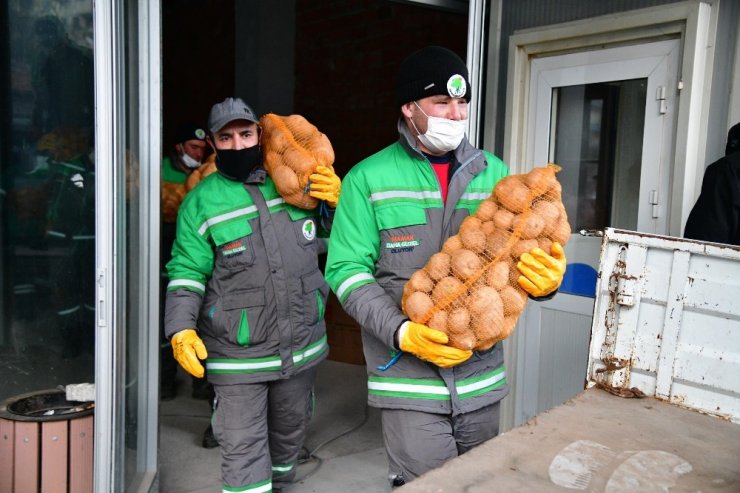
(430, 345)
(188, 350)
(325, 185)
(541, 273)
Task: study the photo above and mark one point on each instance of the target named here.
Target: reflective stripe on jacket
(390, 220)
(245, 272)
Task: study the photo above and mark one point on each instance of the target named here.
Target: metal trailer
(661, 409)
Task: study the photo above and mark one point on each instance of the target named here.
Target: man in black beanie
(398, 208)
(716, 214)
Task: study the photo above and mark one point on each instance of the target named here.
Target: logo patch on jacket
(234, 247)
(399, 244)
(309, 229)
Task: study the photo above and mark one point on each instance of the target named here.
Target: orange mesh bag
(469, 290)
(172, 195)
(292, 148)
(205, 169)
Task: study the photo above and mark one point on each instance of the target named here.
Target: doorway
(607, 119)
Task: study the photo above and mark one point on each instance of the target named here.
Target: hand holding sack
(188, 350)
(293, 150)
(325, 185)
(430, 345)
(475, 289)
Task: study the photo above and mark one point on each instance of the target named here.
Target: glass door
(606, 117)
(127, 116)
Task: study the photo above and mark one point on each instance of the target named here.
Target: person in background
(716, 214)
(186, 156)
(246, 295)
(436, 401)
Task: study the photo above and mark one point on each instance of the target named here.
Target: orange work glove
(325, 185)
(430, 345)
(541, 273)
(188, 349)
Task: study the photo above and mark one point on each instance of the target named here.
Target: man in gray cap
(246, 295)
(398, 207)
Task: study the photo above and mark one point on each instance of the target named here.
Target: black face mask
(238, 164)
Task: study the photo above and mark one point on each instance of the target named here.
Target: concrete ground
(344, 438)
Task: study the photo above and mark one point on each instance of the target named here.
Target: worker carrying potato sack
(247, 296)
(399, 209)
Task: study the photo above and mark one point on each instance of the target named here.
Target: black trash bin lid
(44, 405)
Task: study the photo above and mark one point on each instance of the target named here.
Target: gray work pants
(261, 428)
(417, 442)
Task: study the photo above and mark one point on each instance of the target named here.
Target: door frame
(695, 24)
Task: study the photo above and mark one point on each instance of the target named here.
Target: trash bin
(46, 443)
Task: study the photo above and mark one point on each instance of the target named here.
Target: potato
(540, 180)
(470, 222)
(484, 299)
(438, 321)
(512, 193)
(462, 340)
(523, 246)
(451, 244)
(503, 219)
(508, 326)
(497, 241)
(513, 299)
(438, 266)
(447, 289)
(486, 210)
(528, 225)
(458, 320)
(487, 327)
(561, 234)
(473, 239)
(418, 305)
(420, 281)
(497, 276)
(488, 227)
(465, 263)
(549, 212)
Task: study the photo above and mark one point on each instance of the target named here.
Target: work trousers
(417, 442)
(261, 428)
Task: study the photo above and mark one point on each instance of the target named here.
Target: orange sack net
(469, 290)
(292, 148)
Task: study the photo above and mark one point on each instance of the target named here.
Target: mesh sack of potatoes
(172, 195)
(205, 169)
(292, 148)
(469, 290)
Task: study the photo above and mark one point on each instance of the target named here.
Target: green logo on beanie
(456, 86)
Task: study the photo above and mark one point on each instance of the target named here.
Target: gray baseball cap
(227, 111)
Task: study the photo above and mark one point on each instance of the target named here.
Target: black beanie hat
(189, 131)
(431, 71)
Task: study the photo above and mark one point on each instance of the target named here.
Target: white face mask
(189, 161)
(442, 135)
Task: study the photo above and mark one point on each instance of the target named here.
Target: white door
(607, 118)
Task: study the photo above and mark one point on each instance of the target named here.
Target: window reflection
(598, 144)
(48, 205)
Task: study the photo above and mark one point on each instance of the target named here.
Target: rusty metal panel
(667, 321)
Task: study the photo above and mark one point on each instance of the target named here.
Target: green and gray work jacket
(245, 273)
(391, 218)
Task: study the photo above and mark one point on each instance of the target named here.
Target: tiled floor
(344, 437)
